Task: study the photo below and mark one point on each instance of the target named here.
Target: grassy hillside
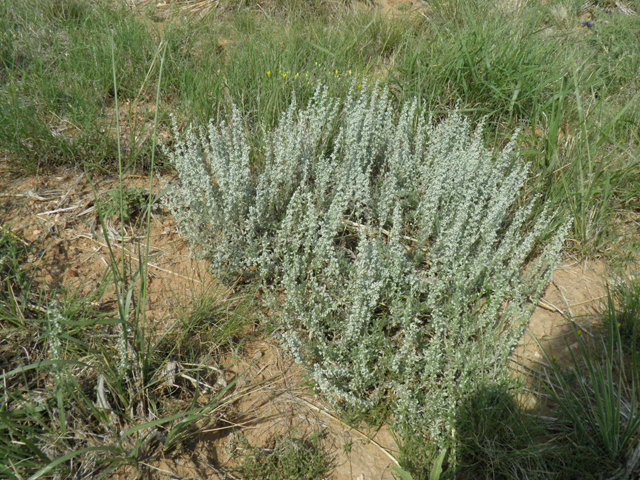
(92, 87)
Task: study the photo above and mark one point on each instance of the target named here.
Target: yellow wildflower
(359, 86)
(284, 76)
(268, 73)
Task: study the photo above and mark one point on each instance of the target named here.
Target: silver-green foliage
(398, 253)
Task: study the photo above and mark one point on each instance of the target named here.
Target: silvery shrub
(401, 254)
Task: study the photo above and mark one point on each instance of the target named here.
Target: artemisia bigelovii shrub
(395, 246)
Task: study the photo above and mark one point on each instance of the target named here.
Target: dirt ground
(58, 214)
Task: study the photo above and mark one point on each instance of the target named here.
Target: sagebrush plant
(395, 249)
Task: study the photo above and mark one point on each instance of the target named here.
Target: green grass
(586, 427)
(594, 405)
(84, 391)
(573, 91)
(134, 203)
(292, 457)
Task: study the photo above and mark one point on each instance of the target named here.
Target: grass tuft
(291, 457)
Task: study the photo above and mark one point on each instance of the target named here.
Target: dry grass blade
(58, 210)
(130, 255)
